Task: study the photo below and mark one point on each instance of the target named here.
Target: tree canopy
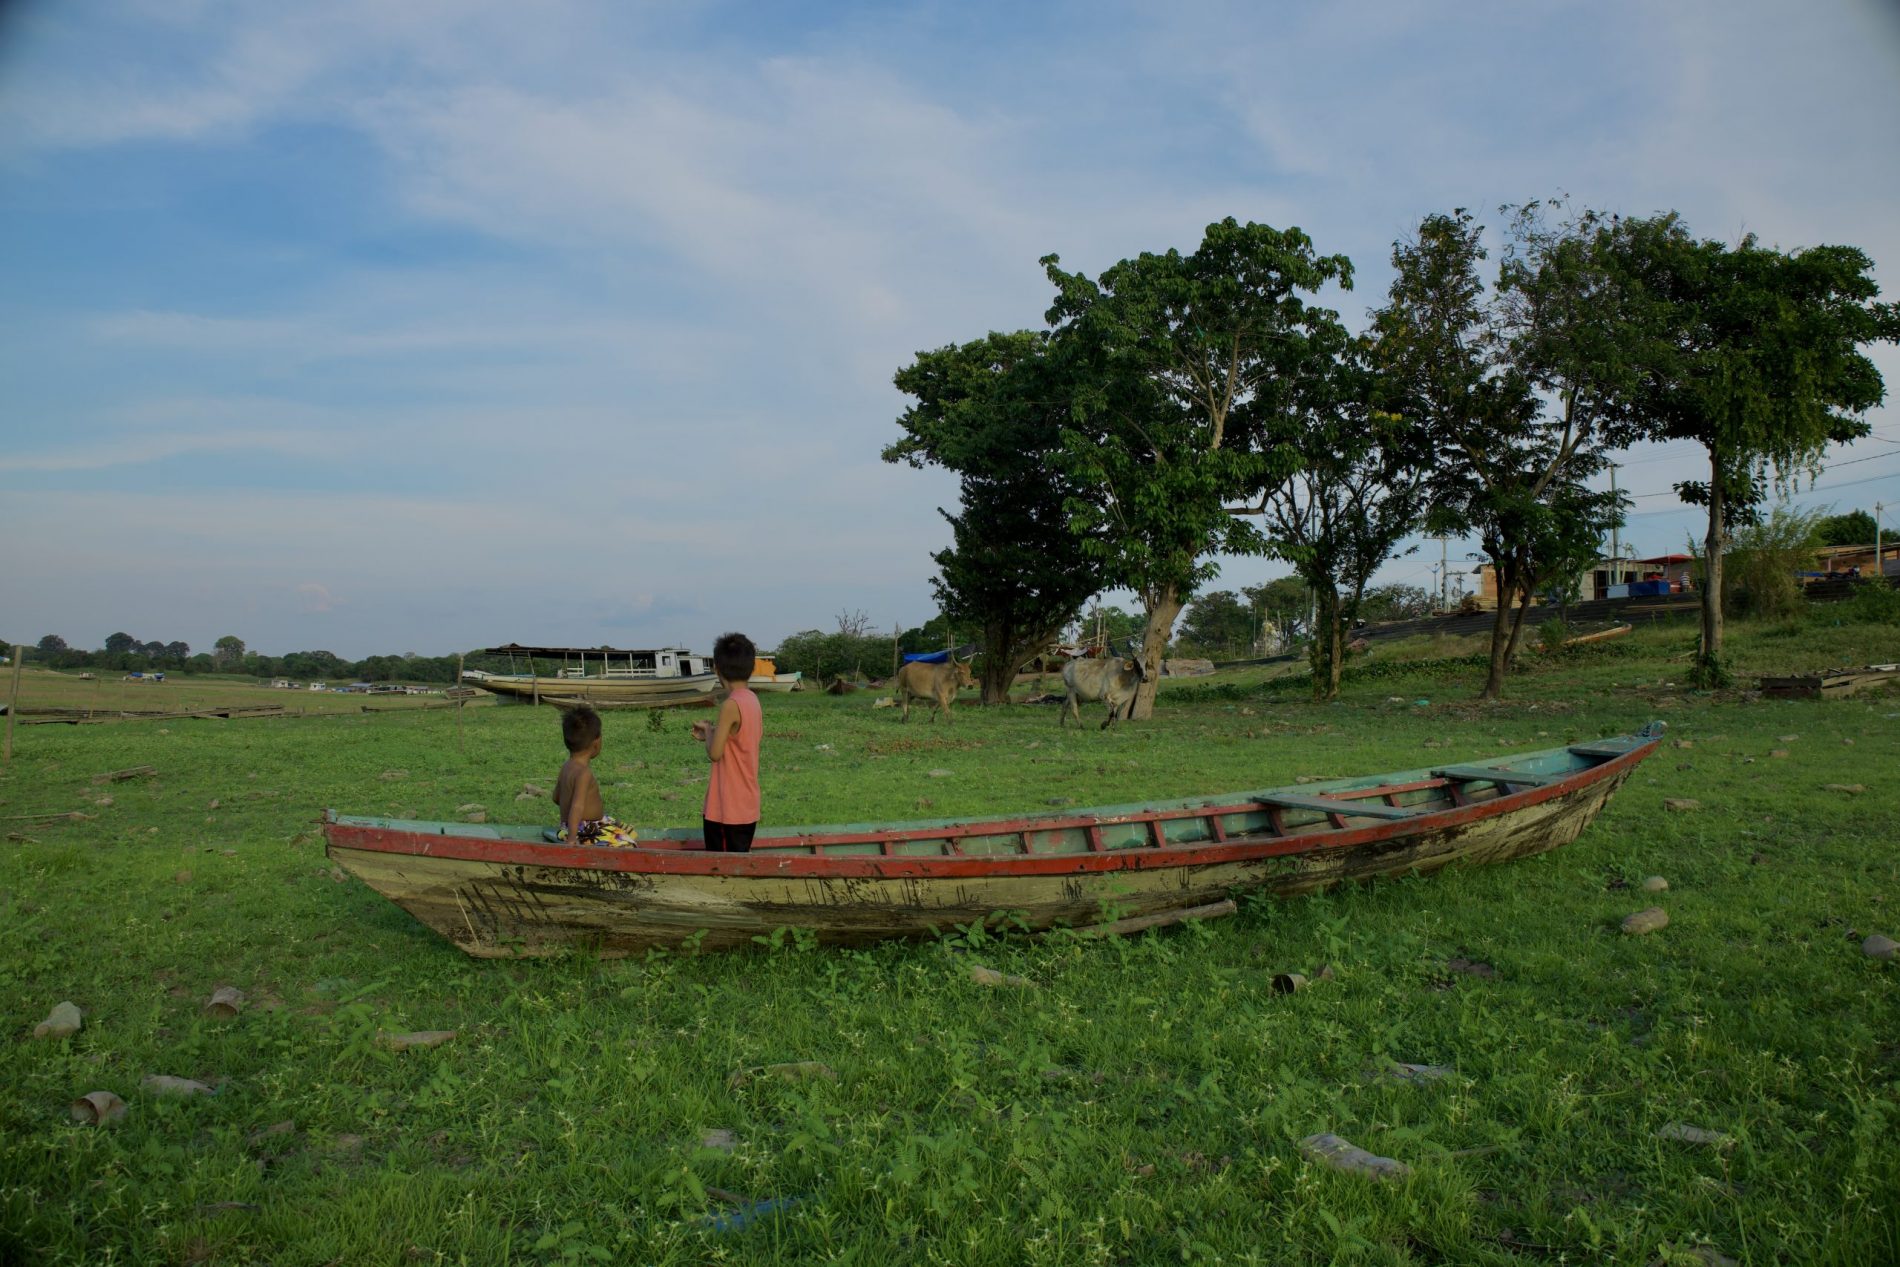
(1165, 351)
(1758, 359)
(1523, 388)
(993, 410)
(1855, 528)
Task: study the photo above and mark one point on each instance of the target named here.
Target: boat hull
(630, 691)
(507, 896)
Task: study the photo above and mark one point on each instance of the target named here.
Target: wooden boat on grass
(601, 676)
(501, 891)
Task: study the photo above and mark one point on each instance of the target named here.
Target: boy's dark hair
(580, 726)
(733, 657)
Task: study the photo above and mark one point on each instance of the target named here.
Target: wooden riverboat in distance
(503, 891)
(602, 676)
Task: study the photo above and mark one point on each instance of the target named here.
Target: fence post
(13, 698)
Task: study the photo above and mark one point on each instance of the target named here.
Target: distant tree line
(1183, 406)
(123, 653)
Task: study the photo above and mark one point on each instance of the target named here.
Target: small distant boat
(602, 676)
(502, 891)
(766, 677)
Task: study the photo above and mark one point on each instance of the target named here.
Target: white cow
(1114, 681)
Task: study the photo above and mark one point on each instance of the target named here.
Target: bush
(1552, 634)
(822, 656)
(1766, 561)
(1874, 602)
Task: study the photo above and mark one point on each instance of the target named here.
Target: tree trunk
(1154, 640)
(1517, 627)
(1708, 668)
(1329, 644)
(999, 668)
(1500, 642)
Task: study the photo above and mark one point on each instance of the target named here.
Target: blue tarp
(926, 657)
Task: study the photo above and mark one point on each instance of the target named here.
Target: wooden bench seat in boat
(1466, 773)
(1352, 809)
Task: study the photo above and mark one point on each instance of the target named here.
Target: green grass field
(109, 693)
(1141, 1103)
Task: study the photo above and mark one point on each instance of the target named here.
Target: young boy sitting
(583, 817)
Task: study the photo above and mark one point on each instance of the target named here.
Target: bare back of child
(584, 820)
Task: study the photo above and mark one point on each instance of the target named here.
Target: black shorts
(729, 837)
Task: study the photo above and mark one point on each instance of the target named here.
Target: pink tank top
(732, 793)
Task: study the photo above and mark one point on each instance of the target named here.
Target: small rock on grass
(720, 1139)
(1646, 921)
(1778, 752)
(1683, 1133)
(166, 1084)
(63, 1021)
(990, 976)
(390, 776)
(1787, 738)
(97, 1108)
(790, 1071)
(1879, 946)
(1681, 804)
(939, 774)
(285, 1127)
(1849, 789)
(1403, 1071)
(1470, 967)
(1704, 1255)
(1344, 1155)
(226, 1001)
(415, 1038)
(1655, 884)
(533, 789)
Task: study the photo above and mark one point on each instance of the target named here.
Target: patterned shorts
(607, 831)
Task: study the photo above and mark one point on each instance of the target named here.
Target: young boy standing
(583, 818)
(732, 745)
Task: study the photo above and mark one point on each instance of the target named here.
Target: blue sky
(380, 327)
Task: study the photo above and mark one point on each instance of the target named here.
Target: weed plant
(1141, 1103)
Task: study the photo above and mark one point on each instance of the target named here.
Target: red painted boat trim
(960, 866)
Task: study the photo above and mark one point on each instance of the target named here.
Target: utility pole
(1616, 548)
(1880, 568)
(1443, 545)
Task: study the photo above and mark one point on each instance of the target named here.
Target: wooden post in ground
(13, 698)
(460, 703)
(896, 636)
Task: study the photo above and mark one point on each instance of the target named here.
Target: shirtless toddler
(584, 820)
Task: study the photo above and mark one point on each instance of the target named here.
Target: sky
(381, 327)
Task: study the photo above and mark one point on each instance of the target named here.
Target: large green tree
(228, 652)
(993, 411)
(1358, 492)
(1165, 350)
(1759, 362)
(1218, 622)
(1524, 387)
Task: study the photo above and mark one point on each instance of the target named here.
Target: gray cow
(1114, 681)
